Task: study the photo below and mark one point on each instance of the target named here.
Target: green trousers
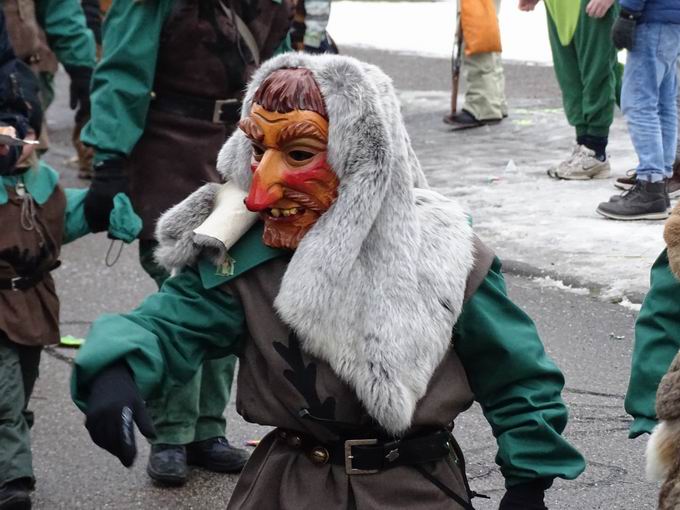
(485, 85)
(18, 373)
(194, 411)
(587, 71)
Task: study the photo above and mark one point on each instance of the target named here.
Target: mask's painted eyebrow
(302, 129)
(251, 129)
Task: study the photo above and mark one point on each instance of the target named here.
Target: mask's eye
(258, 152)
(300, 156)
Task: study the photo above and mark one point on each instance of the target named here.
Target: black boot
(14, 495)
(216, 454)
(645, 201)
(674, 181)
(168, 464)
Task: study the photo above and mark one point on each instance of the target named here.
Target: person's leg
(642, 78)
(218, 375)
(582, 164)
(668, 94)
(597, 63)
(174, 414)
(18, 371)
(485, 85)
(568, 75)
(210, 448)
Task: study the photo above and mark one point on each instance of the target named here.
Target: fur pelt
(375, 287)
(672, 236)
(663, 448)
(177, 246)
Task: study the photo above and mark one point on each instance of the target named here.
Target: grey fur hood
(376, 286)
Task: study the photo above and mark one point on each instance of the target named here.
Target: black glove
(108, 180)
(112, 407)
(80, 89)
(525, 496)
(623, 31)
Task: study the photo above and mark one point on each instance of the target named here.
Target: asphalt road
(589, 339)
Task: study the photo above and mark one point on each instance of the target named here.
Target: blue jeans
(650, 87)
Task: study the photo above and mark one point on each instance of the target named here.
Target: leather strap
(21, 283)
(367, 455)
(218, 111)
(243, 31)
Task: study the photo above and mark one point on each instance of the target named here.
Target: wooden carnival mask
(293, 185)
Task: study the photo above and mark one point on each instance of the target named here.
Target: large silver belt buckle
(351, 470)
(13, 283)
(217, 111)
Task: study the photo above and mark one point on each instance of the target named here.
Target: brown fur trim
(668, 393)
(669, 495)
(672, 236)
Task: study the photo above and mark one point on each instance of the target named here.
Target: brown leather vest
(27, 37)
(276, 380)
(31, 317)
(200, 55)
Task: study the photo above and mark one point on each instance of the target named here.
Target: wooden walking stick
(456, 62)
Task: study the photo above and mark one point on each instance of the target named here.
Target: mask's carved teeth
(277, 212)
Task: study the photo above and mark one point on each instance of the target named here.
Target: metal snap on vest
(319, 455)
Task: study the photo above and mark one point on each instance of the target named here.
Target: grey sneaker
(581, 166)
(645, 201)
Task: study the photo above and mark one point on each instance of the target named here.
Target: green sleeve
(67, 32)
(657, 340)
(165, 340)
(124, 78)
(517, 385)
(75, 225)
(124, 224)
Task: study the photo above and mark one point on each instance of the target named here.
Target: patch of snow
(551, 283)
(627, 303)
(523, 215)
(428, 28)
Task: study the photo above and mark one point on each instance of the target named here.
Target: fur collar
(672, 236)
(376, 286)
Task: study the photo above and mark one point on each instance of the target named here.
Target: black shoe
(216, 454)
(645, 201)
(168, 464)
(465, 120)
(14, 495)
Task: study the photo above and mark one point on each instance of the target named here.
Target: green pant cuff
(175, 437)
(209, 430)
(641, 426)
(601, 132)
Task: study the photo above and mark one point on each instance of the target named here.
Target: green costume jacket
(197, 315)
(64, 24)
(123, 84)
(657, 341)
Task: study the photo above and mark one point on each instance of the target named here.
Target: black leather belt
(370, 456)
(19, 283)
(217, 111)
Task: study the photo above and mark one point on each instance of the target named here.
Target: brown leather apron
(28, 39)
(30, 247)
(277, 380)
